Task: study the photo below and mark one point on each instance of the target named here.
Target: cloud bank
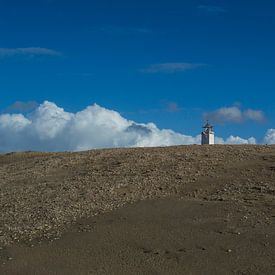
(50, 128)
(234, 115)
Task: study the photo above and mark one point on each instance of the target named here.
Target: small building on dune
(208, 135)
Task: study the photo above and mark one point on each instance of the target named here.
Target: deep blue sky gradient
(105, 45)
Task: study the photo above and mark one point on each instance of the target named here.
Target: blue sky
(167, 62)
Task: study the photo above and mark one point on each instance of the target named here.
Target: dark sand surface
(166, 236)
(178, 210)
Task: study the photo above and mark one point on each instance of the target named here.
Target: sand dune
(176, 210)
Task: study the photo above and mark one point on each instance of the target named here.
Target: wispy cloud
(234, 114)
(21, 106)
(121, 30)
(211, 9)
(29, 51)
(170, 68)
(173, 107)
(75, 74)
(255, 115)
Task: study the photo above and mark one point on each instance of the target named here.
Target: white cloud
(49, 121)
(270, 137)
(235, 140)
(13, 122)
(29, 51)
(50, 128)
(234, 114)
(170, 68)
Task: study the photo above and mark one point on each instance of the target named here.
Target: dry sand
(177, 210)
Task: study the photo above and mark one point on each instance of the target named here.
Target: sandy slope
(218, 216)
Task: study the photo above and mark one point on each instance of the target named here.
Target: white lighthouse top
(208, 126)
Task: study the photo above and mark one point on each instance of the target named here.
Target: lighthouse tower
(207, 136)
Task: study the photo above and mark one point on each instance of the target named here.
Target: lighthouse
(207, 135)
